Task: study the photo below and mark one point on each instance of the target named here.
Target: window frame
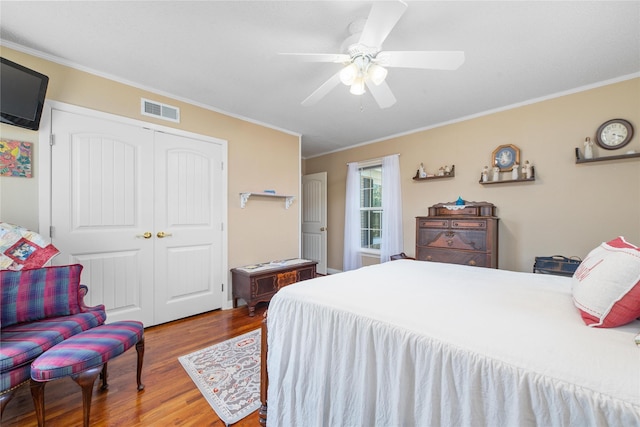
(371, 164)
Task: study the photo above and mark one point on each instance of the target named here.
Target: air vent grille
(160, 111)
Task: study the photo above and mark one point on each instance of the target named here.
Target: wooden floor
(170, 398)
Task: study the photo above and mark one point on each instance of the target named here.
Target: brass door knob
(146, 235)
(162, 234)
(472, 262)
(322, 229)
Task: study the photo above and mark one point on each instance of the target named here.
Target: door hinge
(221, 165)
(52, 140)
(221, 287)
(51, 230)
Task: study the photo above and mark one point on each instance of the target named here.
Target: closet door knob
(162, 234)
(146, 235)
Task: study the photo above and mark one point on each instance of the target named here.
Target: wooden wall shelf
(507, 181)
(603, 159)
(244, 197)
(429, 178)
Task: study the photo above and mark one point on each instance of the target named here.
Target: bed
(413, 343)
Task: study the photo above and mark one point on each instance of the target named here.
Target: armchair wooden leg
(37, 393)
(140, 351)
(104, 375)
(86, 380)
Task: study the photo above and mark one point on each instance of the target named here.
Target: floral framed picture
(15, 158)
(505, 156)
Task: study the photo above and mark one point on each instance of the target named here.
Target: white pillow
(606, 285)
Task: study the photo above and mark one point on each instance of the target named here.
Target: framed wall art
(15, 158)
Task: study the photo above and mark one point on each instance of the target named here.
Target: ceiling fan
(365, 64)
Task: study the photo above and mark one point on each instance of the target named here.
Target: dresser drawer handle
(472, 262)
(449, 233)
(449, 242)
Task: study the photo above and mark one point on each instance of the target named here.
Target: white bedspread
(411, 343)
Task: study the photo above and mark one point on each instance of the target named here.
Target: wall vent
(160, 111)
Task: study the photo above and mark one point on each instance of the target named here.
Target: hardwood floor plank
(170, 397)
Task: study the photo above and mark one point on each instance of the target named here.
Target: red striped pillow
(606, 285)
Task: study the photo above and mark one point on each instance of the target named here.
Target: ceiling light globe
(377, 74)
(357, 88)
(348, 74)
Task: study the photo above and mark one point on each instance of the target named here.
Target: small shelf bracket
(288, 200)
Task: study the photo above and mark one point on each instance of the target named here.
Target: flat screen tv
(22, 92)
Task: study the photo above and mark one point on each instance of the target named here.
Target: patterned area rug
(228, 375)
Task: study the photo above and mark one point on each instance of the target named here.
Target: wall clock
(614, 134)
(505, 156)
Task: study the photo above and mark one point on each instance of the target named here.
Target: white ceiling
(224, 55)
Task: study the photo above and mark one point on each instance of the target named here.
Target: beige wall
(568, 210)
(259, 158)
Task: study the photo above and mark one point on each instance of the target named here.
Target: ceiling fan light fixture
(377, 74)
(357, 88)
(349, 74)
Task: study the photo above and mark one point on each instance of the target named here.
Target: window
(371, 207)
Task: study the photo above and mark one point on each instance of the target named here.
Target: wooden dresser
(459, 234)
(258, 283)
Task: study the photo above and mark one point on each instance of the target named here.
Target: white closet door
(142, 211)
(188, 201)
(102, 202)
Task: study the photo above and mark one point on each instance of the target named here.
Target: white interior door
(102, 202)
(314, 219)
(143, 212)
(188, 199)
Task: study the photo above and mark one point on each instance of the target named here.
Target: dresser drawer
(468, 239)
(469, 223)
(433, 223)
(452, 256)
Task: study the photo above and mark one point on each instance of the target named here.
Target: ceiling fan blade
(381, 93)
(338, 58)
(382, 18)
(323, 90)
(435, 60)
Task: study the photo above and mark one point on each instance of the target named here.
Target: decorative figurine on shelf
(485, 174)
(447, 170)
(459, 202)
(421, 171)
(528, 170)
(514, 171)
(588, 148)
(496, 174)
(441, 171)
